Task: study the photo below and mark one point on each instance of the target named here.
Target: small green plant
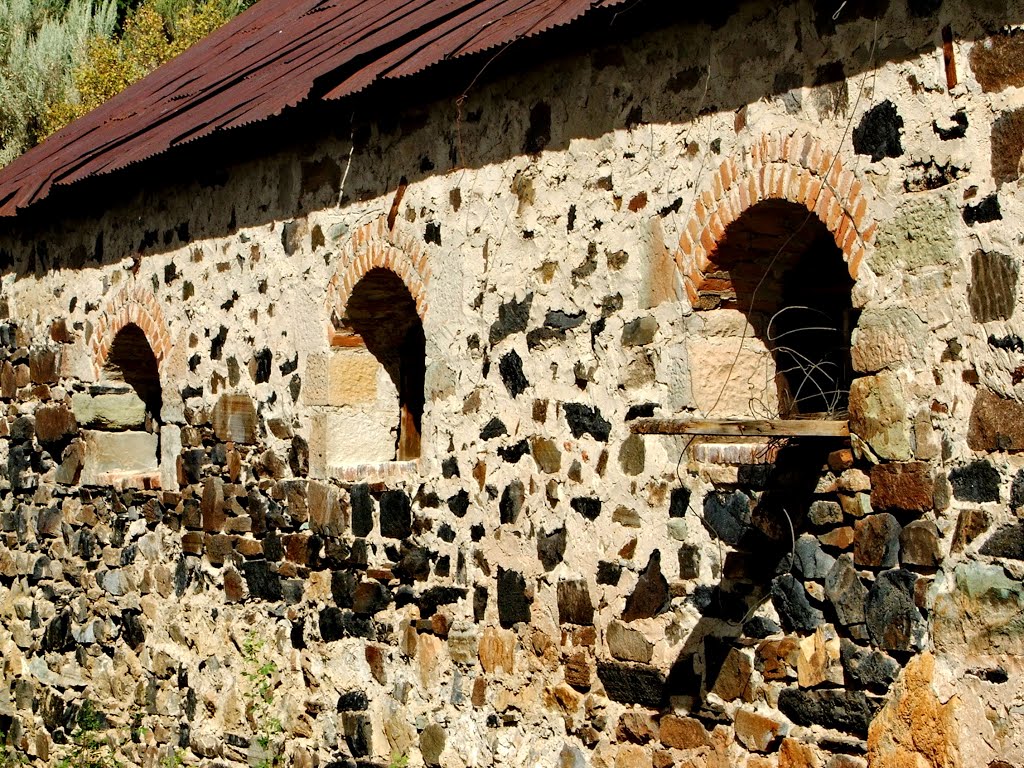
(173, 759)
(9, 756)
(399, 760)
(260, 696)
(88, 748)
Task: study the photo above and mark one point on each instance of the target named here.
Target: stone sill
(374, 471)
(142, 481)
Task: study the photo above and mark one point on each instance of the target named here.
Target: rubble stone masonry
(338, 436)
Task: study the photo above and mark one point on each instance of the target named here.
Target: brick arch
(132, 305)
(789, 167)
(375, 246)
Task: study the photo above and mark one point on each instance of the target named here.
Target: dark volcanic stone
(263, 583)
(679, 502)
(574, 603)
(760, 627)
(728, 515)
(511, 369)
(790, 599)
(336, 624)
(689, 561)
(362, 509)
(876, 541)
(846, 592)
(1017, 491)
(650, 596)
(450, 468)
(513, 604)
(395, 515)
(358, 730)
(413, 564)
(867, 668)
(847, 711)
(978, 481)
(590, 508)
(609, 573)
(811, 560)
(132, 629)
(551, 547)
(57, 636)
(894, 622)
(632, 683)
(584, 419)
(479, 603)
(1007, 541)
(370, 597)
(492, 429)
(353, 701)
(459, 503)
(562, 321)
(511, 503)
(430, 599)
(984, 212)
(878, 134)
(512, 318)
(513, 453)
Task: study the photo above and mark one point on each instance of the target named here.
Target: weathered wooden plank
(742, 427)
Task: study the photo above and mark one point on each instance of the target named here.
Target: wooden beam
(742, 427)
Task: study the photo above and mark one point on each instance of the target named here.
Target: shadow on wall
(823, 54)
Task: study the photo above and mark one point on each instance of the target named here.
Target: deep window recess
(381, 316)
(783, 270)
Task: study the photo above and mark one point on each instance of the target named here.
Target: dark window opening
(131, 360)
(782, 268)
(383, 313)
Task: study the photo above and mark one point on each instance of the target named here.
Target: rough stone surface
(997, 423)
(876, 541)
(878, 415)
(893, 619)
(907, 487)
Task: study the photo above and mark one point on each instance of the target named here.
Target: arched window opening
(131, 360)
(381, 322)
(782, 269)
(121, 415)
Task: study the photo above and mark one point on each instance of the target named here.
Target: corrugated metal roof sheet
(268, 59)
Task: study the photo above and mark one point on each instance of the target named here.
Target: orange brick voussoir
(795, 167)
(137, 306)
(374, 246)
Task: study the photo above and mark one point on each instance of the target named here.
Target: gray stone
(846, 592)
(866, 668)
(790, 599)
(628, 644)
(811, 560)
(823, 513)
(893, 620)
(109, 410)
(639, 332)
(1007, 541)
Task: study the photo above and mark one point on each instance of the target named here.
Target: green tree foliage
(41, 43)
(154, 32)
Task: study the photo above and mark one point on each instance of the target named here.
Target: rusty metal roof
(271, 57)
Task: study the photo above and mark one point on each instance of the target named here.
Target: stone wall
(597, 237)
